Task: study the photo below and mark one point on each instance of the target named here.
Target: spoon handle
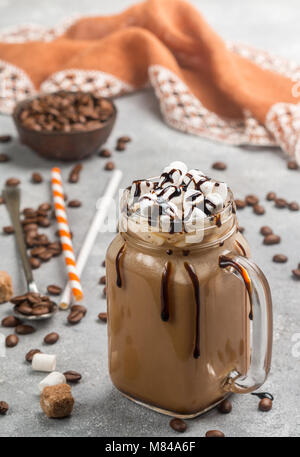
(11, 197)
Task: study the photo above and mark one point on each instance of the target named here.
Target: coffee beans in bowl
(65, 125)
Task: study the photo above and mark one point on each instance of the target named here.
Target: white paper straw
(93, 231)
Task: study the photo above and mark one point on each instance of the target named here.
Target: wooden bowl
(63, 145)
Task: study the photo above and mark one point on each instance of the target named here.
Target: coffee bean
(104, 291)
(3, 408)
(4, 158)
(75, 173)
(280, 203)
(75, 317)
(105, 153)
(240, 204)
(103, 263)
(266, 230)
(294, 206)
(80, 308)
(11, 341)
(74, 204)
(10, 321)
(214, 434)
(45, 207)
(34, 263)
(44, 221)
(45, 256)
(124, 139)
(121, 146)
(241, 229)
(102, 280)
(178, 425)
(265, 404)
(54, 290)
(280, 258)
(296, 273)
(5, 138)
(219, 166)
(251, 200)
(25, 309)
(292, 165)
(24, 329)
(110, 166)
(40, 310)
(102, 317)
(271, 239)
(271, 196)
(30, 354)
(30, 228)
(8, 230)
(1, 201)
(36, 178)
(12, 182)
(35, 252)
(225, 406)
(30, 212)
(259, 210)
(51, 338)
(72, 376)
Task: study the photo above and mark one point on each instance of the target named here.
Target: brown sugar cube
(6, 287)
(57, 401)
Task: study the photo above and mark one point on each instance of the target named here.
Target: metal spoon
(11, 197)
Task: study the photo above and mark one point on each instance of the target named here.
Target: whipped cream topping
(178, 201)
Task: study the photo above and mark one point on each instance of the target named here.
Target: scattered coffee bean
(8, 230)
(74, 204)
(24, 329)
(36, 178)
(72, 376)
(35, 252)
(280, 203)
(280, 258)
(102, 280)
(75, 173)
(178, 425)
(296, 273)
(214, 434)
(110, 166)
(75, 317)
(103, 263)
(104, 291)
(44, 222)
(1, 201)
(102, 317)
(265, 404)
(30, 228)
(51, 338)
(12, 182)
(121, 146)
(124, 139)
(241, 229)
(3, 408)
(5, 138)
(219, 166)
(46, 256)
(251, 200)
(30, 354)
(45, 207)
(105, 153)
(271, 239)
(271, 196)
(54, 290)
(80, 308)
(10, 321)
(266, 230)
(240, 204)
(4, 158)
(40, 310)
(34, 262)
(225, 406)
(259, 210)
(11, 341)
(294, 206)
(292, 165)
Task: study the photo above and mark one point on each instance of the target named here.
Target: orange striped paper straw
(64, 233)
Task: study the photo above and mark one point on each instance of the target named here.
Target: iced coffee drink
(189, 315)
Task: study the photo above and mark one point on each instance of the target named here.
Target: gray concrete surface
(100, 410)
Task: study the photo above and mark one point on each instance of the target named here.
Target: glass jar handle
(260, 319)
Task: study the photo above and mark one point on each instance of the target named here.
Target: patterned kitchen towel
(222, 91)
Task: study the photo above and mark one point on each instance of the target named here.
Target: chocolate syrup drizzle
(164, 292)
(225, 262)
(262, 395)
(195, 281)
(118, 260)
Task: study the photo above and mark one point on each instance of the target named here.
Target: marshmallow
(44, 362)
(173, 174)
(140, 187)
(146, 202)
(52, 379)
(207, 187)
(192, 178)
(221, 189)
(196, 221)
(213, 203)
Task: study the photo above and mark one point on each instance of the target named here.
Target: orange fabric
(168, 33)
